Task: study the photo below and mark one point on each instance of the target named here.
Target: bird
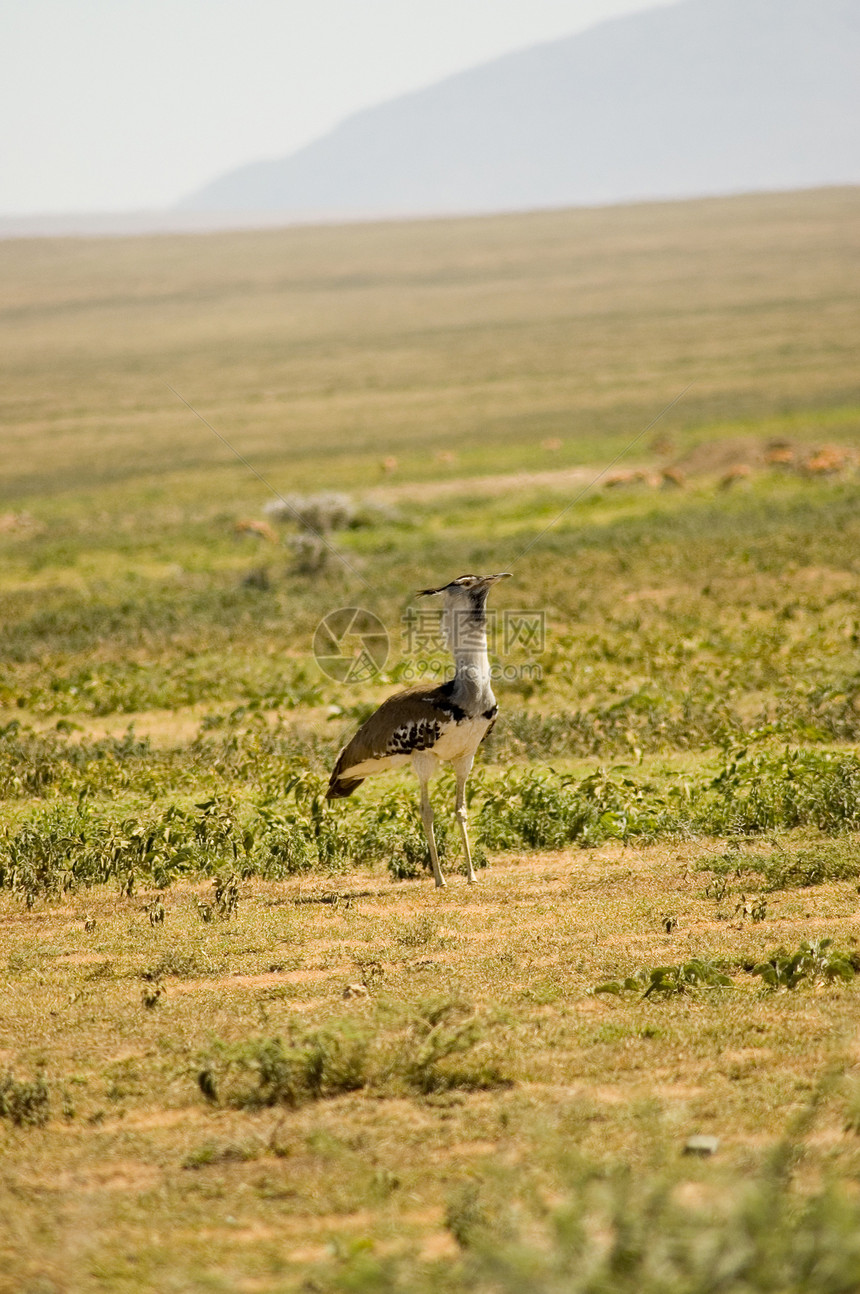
(430, 726)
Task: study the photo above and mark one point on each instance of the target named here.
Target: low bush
(435, 1047)
(620, 1230)
(40, 764)
(293, 830)
(813, 962)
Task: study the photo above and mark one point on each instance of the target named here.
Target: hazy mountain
(708, 96)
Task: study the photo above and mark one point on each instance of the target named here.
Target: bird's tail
(340, 788)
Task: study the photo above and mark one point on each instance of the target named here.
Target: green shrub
(295, 831)
(762, 790)
(306, 1067)
(541, 810)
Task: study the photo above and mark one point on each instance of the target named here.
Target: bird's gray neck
(467, 638)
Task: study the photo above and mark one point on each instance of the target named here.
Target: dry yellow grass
(136, 1182)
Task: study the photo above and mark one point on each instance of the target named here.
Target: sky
(122, 105)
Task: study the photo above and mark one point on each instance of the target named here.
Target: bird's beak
(494, 579)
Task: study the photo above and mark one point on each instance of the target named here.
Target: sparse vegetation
(243, 1043)
(609, 1234)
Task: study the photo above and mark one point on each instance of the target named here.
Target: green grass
(244, 1044)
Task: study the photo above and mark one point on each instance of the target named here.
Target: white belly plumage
(461, 738)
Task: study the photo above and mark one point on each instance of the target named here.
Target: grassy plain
(237, 1050)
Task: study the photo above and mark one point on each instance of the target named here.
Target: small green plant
(155, 912)
(812, 962)
(667, 981)
(152, 993)
(226, 890)
(754, 907)
(717, 889)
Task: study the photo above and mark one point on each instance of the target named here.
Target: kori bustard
(429, 726)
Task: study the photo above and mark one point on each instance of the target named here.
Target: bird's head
(467, 590)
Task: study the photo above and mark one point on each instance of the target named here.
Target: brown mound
(734, 458)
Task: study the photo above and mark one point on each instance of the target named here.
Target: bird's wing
(405, 723)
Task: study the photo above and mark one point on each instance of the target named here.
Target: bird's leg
(427, 819)
(462, 769)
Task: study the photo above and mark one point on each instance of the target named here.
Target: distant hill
(708, 96)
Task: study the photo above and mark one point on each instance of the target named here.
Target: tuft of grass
(24, 1102)
(442, 1030)
(419, 933)
(215, 1153)
(275, 1071)
(191, 964)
